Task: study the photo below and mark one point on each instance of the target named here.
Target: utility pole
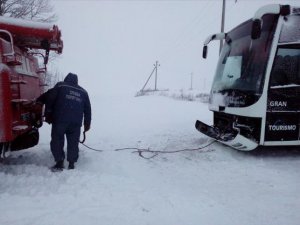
(156, 65)
(154, 69)
(222, 23)
(191, 81)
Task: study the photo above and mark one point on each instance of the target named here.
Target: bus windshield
(243, 61)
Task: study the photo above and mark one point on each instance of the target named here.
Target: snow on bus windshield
(243, 61)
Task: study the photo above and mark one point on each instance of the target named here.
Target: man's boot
(71, 166)
(59, 166)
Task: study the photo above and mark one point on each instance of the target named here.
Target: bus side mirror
(204, 53)
(256, 29)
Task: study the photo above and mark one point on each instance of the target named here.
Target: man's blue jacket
(67, 102)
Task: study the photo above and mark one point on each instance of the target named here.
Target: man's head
(71, 78)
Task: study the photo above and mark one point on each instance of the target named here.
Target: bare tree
(36, 10)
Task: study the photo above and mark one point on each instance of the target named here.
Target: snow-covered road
(214, 186)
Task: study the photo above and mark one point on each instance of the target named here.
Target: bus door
(283, 109)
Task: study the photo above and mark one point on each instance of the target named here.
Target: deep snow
(213, 186)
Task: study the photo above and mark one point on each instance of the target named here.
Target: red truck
(22, 79)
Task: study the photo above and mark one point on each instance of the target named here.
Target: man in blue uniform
(67, 107)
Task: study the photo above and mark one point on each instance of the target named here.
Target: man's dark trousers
(72, 132)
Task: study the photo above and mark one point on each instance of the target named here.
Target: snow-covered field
(213, 186)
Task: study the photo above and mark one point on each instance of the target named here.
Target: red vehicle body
(22, 80)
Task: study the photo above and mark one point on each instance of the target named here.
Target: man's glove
(36, 108)
(48, 118)
(86, 127)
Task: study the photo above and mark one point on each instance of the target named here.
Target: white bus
(255, 95)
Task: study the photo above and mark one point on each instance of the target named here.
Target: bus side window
(298, 72)
(278, 75)
(286, 67)
(291, 68)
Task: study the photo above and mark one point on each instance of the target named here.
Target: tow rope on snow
(83, 140)
(157, 152)
(142, 151)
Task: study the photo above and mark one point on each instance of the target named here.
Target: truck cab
(22, 79)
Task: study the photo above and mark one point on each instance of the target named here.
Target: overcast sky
(112, 45)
